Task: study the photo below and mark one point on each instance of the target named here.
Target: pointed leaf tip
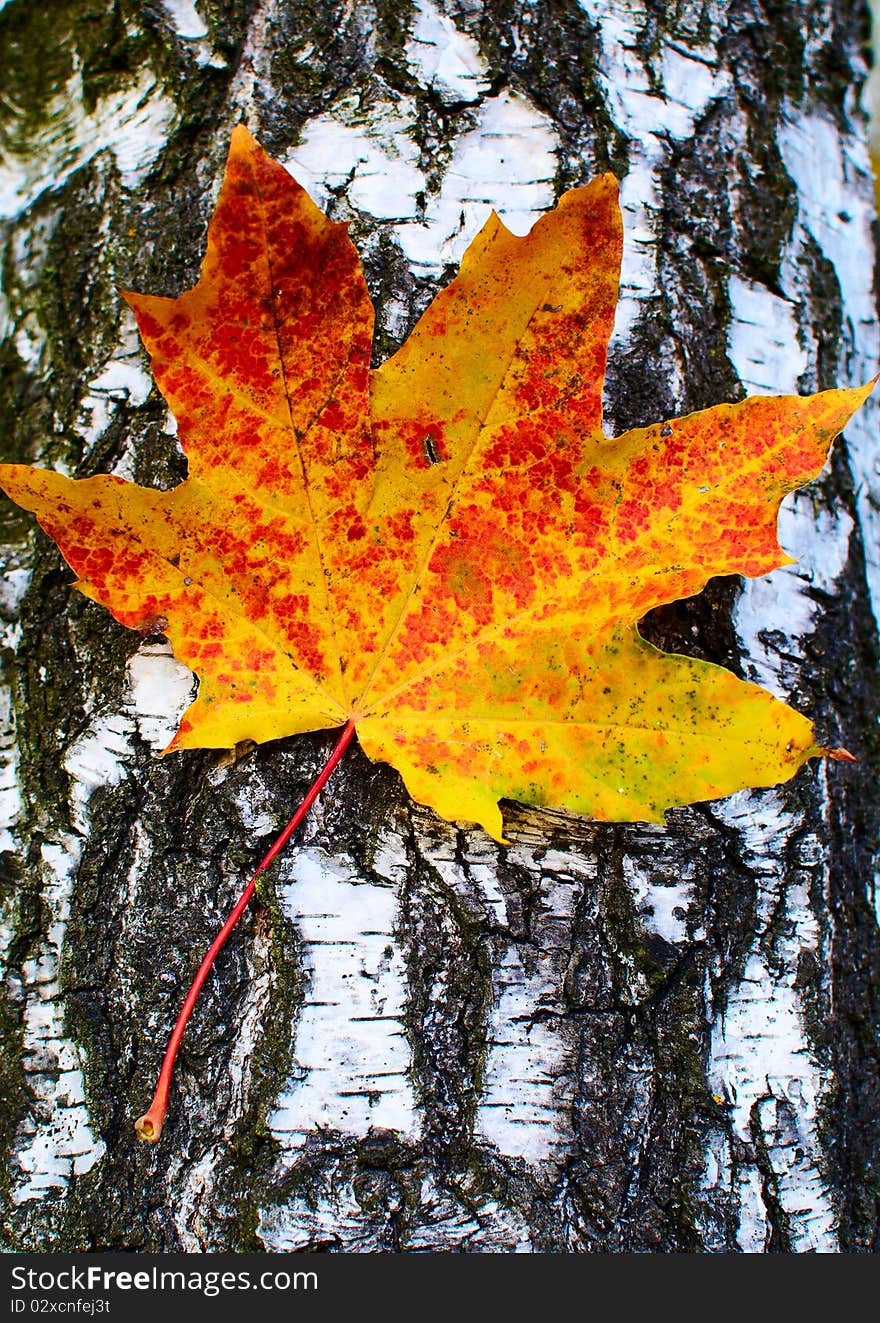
(242, 139)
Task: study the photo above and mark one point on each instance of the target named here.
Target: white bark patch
(526, 1102)
(662, 902)
(160, 690)
(763, 339)
(761, 1063)
(186, 19)
(11, 802)
(132, 125)
(368, 153)
(351, 1053)
(123, 380)
(716, 1178)
(525, 1110)
(13, 586)
(650, 121)
(98, 759)
(507, 162)
(444, 59)
(776, 612)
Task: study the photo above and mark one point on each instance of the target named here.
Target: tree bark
(597, 1037)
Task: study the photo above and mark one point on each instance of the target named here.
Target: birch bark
(597, 1038)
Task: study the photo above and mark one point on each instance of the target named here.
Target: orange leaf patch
(447, 551)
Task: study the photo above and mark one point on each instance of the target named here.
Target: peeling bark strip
(599, 1038)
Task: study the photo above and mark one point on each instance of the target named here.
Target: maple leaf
(447, 554)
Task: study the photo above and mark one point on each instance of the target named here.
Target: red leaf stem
(149, 1126)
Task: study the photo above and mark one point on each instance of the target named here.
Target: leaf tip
(493, 824)
(856, 396)
(241, 139)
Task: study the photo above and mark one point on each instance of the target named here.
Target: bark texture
(597, 1038)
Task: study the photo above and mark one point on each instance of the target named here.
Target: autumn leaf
(447, 553)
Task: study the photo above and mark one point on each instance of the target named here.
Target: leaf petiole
(149, 1126)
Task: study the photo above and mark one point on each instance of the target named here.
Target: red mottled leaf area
(445, 556)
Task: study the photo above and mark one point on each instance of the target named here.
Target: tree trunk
(597, 1037)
